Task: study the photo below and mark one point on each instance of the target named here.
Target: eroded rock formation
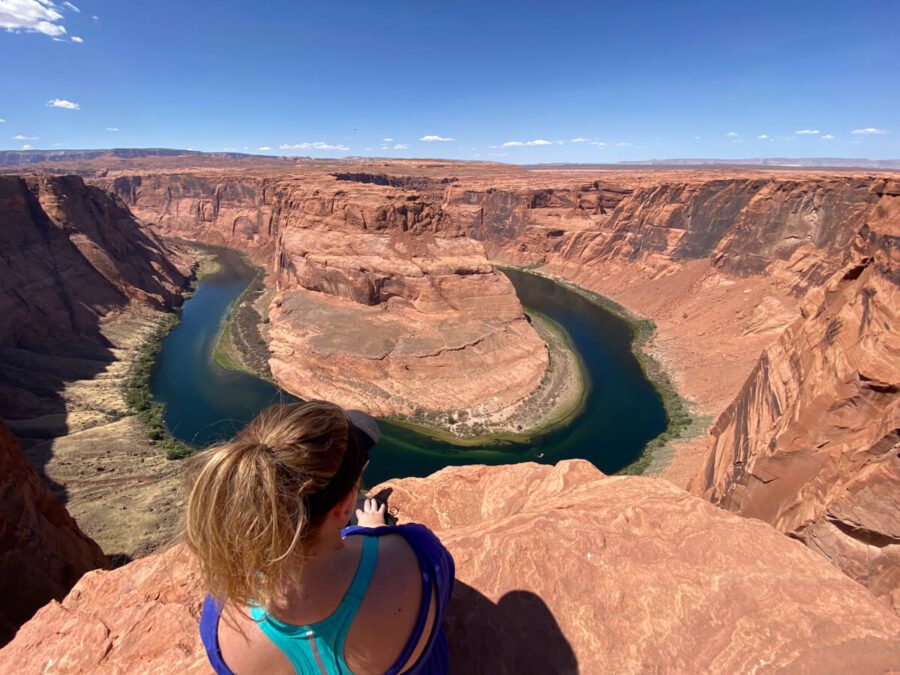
(384, 303)
(72, 253)
(560, 569)
(82, 285)
(398, 323)
(42, 550)
(811, 444)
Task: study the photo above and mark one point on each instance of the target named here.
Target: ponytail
(248, 515)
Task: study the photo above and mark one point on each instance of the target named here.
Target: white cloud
(763, 137)
(869, 131)
(95, 17)
(387, 140)
(317, 145)
(623, 144)
(732, 134)
(400, 146)
(599, 143)
(828, 137)
(31, 16)
(264, 148)
(20, 137)
(2, 120)
(63, 103)
(112, 128)
(27, 147)
(807, 132)
(580, 140)
(72, 7)
(520, 144)
(77, 39)
(431, 138)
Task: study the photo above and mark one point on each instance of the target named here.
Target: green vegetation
(678, 417)
(139, 398)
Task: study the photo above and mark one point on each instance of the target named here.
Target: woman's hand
(372, 515)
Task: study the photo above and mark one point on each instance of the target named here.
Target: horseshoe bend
(774, 297)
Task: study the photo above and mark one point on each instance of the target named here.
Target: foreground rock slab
(560, 569)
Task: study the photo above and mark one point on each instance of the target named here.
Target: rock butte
(560, 570)
(775, 298)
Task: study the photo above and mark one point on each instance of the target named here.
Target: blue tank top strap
(320, 646)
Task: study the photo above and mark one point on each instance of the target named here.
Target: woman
(290, 588)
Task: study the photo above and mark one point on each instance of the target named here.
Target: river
(623, 411)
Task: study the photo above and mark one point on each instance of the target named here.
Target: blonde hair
(249, 513)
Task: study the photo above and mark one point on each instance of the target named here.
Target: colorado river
(623, 411)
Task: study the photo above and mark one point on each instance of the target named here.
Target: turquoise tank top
(319, 647)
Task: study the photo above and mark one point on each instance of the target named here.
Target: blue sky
(509, 81)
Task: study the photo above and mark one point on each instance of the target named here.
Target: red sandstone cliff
(560, 570)
(42, 551)
(81, 281)
(811, 444)
(71, 254)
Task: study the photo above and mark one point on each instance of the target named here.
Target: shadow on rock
(518, 634)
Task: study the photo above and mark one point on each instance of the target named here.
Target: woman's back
(373, 635)
(302, 593)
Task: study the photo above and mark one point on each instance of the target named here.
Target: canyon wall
(73, 253)
(82, 285)
(560, 569)
(811, 444)
(804, 271)
(42, 550)
(791, 228)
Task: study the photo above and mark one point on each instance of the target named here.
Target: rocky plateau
(559, 569)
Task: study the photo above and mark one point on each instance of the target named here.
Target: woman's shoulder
(423, 542)
(390, 609)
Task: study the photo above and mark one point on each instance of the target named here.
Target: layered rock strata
(398, 324)
(811, 444)
(42, 550)
(73, 253)
(559, 569)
